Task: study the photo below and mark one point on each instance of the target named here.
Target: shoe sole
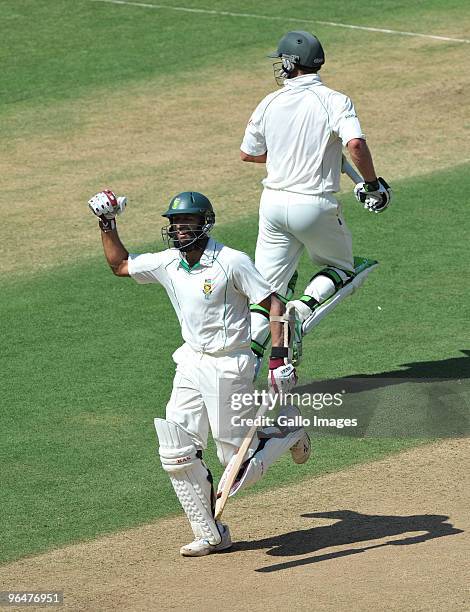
(187, 552)
(306, 455)
(205, 552)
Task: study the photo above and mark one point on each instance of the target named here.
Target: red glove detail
(275, 362)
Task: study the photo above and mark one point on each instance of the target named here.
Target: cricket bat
(346, 168)
(231, 471)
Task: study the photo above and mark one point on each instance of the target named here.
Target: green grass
(57, 49)
(85, 362)
(85, 366)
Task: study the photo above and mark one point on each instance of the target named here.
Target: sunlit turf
(86, 365)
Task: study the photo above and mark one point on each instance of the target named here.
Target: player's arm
(250, 282)
(277, 332)
(266, 303)
(256, 159)
(253, 148)
(115, 252)
(362, 158)
(258, 291)
(346, 125)
(282, 374)
(373, 192)
(105, 205)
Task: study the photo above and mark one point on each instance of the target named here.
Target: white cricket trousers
(204, 388)
(288, 222)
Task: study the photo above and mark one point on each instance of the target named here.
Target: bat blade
(231, 475)
(233, 468)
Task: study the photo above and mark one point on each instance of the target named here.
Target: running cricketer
(299, 131)
(210, 287)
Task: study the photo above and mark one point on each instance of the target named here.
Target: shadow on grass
(428, 399)
(351, 527)
(454, 368)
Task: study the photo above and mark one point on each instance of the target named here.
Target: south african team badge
(207, 289)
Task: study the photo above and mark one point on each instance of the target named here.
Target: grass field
(152, 102)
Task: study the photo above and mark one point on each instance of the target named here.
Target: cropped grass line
(333, 24)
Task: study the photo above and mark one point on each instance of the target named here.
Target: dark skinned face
(185, 226)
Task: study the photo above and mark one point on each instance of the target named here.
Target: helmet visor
(183, 236)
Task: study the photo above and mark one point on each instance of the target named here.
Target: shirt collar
(207, 258)
(304, 80)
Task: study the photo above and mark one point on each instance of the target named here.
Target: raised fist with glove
(281, 376)
(375, 195)
(106, 205)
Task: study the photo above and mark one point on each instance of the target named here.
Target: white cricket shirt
(212, 298)
(303, 127)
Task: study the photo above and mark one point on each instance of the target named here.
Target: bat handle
(289, 331)
(346, 168)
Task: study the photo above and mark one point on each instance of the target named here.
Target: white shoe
(202, 547)
(302, 449)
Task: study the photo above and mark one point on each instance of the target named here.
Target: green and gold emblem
(207, 288)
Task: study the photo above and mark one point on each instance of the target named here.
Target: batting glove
(375, 195)
(281, 377)
(105, 205)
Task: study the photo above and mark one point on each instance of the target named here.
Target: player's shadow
(351, 527)
(429, 398)
(454, 368)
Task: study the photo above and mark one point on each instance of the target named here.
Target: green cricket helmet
(296, 48)
(302, 48)
(189, 203)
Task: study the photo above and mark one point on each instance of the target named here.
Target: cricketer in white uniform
(299, 132)
(210, 287)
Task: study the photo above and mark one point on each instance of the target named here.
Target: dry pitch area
(391, 535)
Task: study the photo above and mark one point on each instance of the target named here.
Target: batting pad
(362, 268)
(190, 478)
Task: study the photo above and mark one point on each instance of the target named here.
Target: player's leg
(324, 233)
(260, 329)
(227, 411)
(277, 249)
(182, 437)
(323, 230)
(271, 443)
(227, 389)
(276, 257)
